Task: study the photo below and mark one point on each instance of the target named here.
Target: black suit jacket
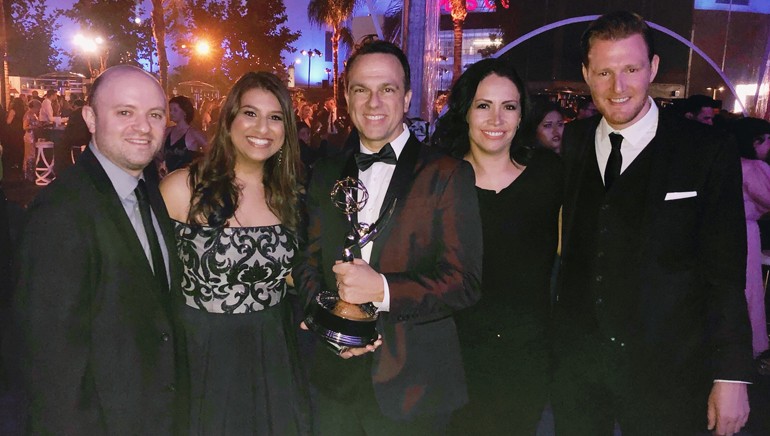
(680, 305)
(100, 341)
(430, 253)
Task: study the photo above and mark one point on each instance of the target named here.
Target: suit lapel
(585, 144)
(663, 161)
(113, 208)
(336, 226)
(402, 179)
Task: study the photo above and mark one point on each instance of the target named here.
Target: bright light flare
(88, 45)
(202, 48)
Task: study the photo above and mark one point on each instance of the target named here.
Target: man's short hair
(614, 26)
(695, 103)
(384, 47)
(50, 92)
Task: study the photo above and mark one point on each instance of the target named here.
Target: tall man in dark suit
(96, 264)
(651, 320)
(425, 265)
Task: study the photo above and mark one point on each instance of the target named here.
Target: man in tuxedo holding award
(424, 265)
(651, 324)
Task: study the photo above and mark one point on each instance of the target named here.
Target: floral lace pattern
(234, 269)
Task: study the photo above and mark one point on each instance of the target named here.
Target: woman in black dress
(505, 336)
(237, 224)
(183, 141)
(13, 135)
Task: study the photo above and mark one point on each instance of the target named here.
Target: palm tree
(458, 12)
(333, 13)
(4, 57)
(160, 8)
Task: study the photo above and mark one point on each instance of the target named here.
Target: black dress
(13, 134)
(177, 155)
(245, 377)
(504, 337)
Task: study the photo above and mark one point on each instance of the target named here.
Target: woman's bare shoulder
(176, 192)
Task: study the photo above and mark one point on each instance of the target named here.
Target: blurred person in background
(546, 126)
(700, 108)
(30, 123)
(76, 135)
(753, 138)
(183, 141)
(13, 138)
(586, 109)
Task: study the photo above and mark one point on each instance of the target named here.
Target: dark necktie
(332, 127)
(158, 266)
(614, 162)
(385, 155)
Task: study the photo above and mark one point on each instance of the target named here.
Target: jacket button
(171, 387)
(165, 337)
(599, 278)
(600, 254)
(605, 206)
(599, 301)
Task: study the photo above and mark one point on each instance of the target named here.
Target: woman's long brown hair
(215, 194)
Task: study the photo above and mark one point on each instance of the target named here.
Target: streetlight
(92, 45)
(202, 47)
(714, 91)
(310, 53)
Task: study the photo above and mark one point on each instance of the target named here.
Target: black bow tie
(385, 155)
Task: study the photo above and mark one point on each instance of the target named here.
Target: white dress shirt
(635, 138)
(376, 179)
(46, 111)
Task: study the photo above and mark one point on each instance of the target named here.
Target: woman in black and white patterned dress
(237, 220)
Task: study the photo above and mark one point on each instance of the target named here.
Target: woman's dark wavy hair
(17, 105)
(215, 193)
(186, 105)
(746, 131)
(538, 111)
(452, 128)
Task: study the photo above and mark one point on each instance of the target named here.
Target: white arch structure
(665, 30)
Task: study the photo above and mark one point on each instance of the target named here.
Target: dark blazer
(100, 341)
(430, 253)
(679, 306)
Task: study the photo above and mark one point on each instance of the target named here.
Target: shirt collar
(123, 182)
(397, 144)
(637, 131)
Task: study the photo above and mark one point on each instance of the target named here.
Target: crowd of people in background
(585, 253)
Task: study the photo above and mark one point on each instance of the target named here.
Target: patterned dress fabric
(245, 376)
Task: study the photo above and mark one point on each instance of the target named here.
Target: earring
(280, 156)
